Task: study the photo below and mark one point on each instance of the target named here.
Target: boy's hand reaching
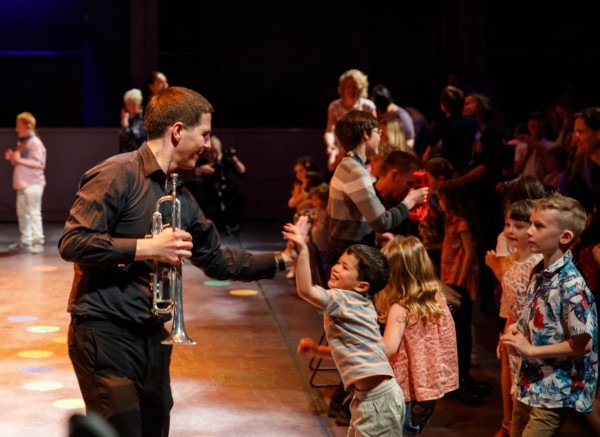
(296, 236)
(307, 346)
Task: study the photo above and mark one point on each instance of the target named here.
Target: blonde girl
(419, 337)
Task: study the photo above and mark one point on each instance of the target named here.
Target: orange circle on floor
(35, 354)
(61, 340)
(69, 404)
(243, 292)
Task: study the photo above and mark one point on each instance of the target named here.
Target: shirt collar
(557, 265)
(149, 161)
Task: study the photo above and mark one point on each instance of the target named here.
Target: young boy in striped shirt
(350, 322)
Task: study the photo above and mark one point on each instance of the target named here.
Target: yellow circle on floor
(44, 268)
(243, 292)
(69, 404)
(35, 354)
(43, 328)
(43, 386)
(61, 340)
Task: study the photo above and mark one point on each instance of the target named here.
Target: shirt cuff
(124, 248)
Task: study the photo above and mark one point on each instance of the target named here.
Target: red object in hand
(419, 212)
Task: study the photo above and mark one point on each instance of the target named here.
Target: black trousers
(123, 375)
(462, 323)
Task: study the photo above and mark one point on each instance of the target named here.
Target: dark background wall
(274, 63)
(270, 68)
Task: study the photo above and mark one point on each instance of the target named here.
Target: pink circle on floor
(44, 268)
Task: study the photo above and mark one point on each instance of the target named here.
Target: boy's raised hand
(296, 236)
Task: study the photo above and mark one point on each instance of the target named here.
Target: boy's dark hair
(523, 187)
(485, 106)
(404, 162)
(521, 210)
(537, 115)
(321, 191)
(313, 179)
(172, 105)
(440, 167)
(308, 162)
(372, 267)
(453, 100)
(351, 127)
(570, 214)
(591, 118)
(381, 97)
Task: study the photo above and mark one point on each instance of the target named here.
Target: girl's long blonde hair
(413, 282)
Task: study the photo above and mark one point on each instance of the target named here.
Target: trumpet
(166, 278)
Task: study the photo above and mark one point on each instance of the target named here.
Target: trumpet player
(114, 337)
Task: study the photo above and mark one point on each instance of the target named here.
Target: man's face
(344, 275)
(536, 128)
(193, 143)
(470, 106)
(585, 139)
(544, 232)
(394, 186)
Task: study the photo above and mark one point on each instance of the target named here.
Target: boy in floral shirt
(557, 335)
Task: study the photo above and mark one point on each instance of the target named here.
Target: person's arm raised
(304, 286)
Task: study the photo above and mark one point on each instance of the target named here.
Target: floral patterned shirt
(558, 305)
(514, 285)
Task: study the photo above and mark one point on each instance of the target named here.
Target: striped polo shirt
(354, 210)
(351, 328)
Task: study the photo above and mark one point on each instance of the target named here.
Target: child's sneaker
(504, 430)
(37, 248)
(19, 247)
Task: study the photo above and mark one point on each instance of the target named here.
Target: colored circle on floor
(44, 268)
(61, 340)
(243, 292)
(36, 370)
(217, 283)
(43, 386)
(43, 328)
(69, 404)
(35, 354)
(23, 318)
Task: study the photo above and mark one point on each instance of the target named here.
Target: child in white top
(513, 273)
(29, 162)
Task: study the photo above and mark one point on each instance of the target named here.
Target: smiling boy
(350, 322)
(557, 334)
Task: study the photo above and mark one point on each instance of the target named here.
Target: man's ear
(177, 132)
(362, 287)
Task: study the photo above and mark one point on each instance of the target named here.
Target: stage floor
(243, 378)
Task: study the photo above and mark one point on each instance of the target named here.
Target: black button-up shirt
(113, 207)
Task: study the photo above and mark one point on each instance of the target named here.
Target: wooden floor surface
(243, 378)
